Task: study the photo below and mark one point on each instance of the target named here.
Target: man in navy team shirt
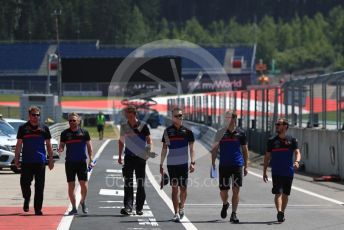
(76, 140)
(280, 151)
(31, 139)
(233, 159)
(177, 139)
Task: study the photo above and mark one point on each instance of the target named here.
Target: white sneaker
(176, 218)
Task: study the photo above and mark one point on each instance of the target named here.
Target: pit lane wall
(322, 150)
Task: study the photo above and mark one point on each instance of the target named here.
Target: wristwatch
(193, 162)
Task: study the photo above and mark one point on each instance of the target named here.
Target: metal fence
(309, 102)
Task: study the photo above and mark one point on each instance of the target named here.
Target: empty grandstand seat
(21, 57)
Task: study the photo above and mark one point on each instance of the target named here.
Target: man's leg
(235, 198)
(278, 202)
(26, 178)
(175, 198)
(84, 188)
(128, 172)
(183, 195)
(140, 172)
(71, 195)
(39, 188)
(224, 196)
(284, 202)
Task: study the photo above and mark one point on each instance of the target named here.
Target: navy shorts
(100, 128)
(281, 184)
(178, 174)
(76, 169)
(230, 175)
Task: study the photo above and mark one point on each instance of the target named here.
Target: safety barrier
(56, 129)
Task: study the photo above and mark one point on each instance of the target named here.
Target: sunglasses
(178, 116)
(35, 114)
(278, 124)
(72, 120)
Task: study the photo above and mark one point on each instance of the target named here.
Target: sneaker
(84, 208)
(224, 210)
(126, 211)
(73, 212)
(38, 213)
(234, 218)
(26, 205)
(176, 218)
(139, 212)
(181, 211)
(280, 217)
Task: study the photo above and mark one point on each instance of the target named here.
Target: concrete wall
(322, 150)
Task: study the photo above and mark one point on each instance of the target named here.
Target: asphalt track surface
(311, 205)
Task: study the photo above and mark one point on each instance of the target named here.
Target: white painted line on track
(149, 221)
(114, 171)
(111, 192)
(111, 201)
(111, 207)
(66, 220)
(145, 214)
(261, 205)
(185, 221)
(305, 191)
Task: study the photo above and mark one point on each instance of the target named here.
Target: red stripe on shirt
(73, 141)
(31, 135)
(176, 138)
(229, 139)
(280, 150)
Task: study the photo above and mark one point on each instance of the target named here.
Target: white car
(14, 124)
(7, 146)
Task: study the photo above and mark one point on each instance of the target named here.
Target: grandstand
(23, 65)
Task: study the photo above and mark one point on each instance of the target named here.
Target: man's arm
(297, 158)
(89, 151)
(162, 157)
(50, 153)
(266, 164)
(245, 154)
(192, 156)
(120, 149)
(17, 152)
(61, 147)
(213, 152)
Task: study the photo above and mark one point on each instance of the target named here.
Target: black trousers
(30, 171)
(131, 164)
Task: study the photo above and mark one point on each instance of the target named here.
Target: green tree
(137, 29)
(163, 31)
(267, 39)
(194, 32)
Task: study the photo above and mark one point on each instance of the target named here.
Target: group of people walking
(33, 139)
(230, 147)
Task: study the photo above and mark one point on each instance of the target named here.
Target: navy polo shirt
(282, 155)
(230, 146)
(177, 141)
(33, 142)
(75, 144)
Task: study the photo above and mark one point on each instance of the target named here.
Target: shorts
(178, 174)
(76, 168)
(281, 184)
(227, 173)
(100, 128)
